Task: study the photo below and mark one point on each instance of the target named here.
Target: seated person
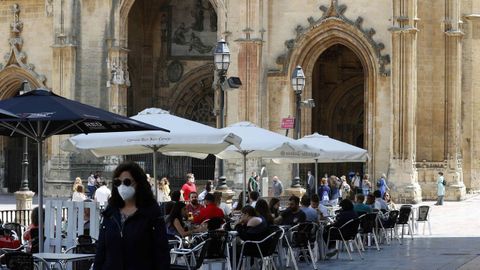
(175, 225)
(176, 195)
(210, 211)
(292, 215)
(31, 234)
(274, 206)
(251, 226)
(194, 206)
(345, 214)
(379, 204)
(359, 206)
(388, 199)
(263, 211)
(227, 210)
(322, 210)
(310, 213)
(254, 195)
(370, 201)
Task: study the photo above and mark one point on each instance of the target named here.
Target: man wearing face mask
(194, 207)
(132, 234)
(189, 186)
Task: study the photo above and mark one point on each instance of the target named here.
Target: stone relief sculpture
(49, 8)
(194, 26)
(119, 74)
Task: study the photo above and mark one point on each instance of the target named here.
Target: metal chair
(303, 237)
(346, 234)
(86, 245)
(263, 249)
(423, 217)
(18, 260)
(389, 224)
(404, 219)
(367, 228)
(193, 257)
(216, 246)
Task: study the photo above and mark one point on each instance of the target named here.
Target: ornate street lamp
(221, 57)
(298, 83)
(24, 187)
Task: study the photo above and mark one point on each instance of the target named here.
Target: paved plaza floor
(454, 243)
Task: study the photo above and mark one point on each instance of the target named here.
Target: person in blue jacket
(132, 233)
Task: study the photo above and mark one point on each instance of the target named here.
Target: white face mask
(126, 192)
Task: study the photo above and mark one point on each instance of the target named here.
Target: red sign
(288, 123)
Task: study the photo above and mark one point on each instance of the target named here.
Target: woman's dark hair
(249, 210)
(175, 195)
(263, 210)
(346, 205)
(208, 187)
(239, 202)
(143, 191)
(315, 198)
(176, 213)
(34, 216)
(273, 210)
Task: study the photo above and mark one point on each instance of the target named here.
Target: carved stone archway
(194, 94)
(332, 29)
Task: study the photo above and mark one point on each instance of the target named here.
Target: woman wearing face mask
(132, 234)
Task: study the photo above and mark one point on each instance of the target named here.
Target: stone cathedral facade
(396, 77)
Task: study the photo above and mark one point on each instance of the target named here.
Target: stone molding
(15, 56)
(336, 12)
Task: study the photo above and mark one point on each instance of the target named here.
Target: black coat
(141, 244)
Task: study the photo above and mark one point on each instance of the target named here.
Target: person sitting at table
(251, 225)
(254, 195)
(238, 205)
(370, 201)
(310, 213)
(175, 224)
(274, 206)
(345, 214)
(31, 234)
(194, 206)
(322, 210)
(227, 210)
(292, 215)
(360, 206)
(210, 211)
(264, 211)
(176, 196)
(388, 199)
(379, 204)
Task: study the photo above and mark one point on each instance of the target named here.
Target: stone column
(453, 101)
(64, 73)
(402, 171)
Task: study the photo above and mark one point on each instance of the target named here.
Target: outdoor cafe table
(61, 259)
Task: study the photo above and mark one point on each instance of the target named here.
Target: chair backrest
(270, 243)
(404, 214)
(392, 219)
(349, 230)
(423, 212)
(215, 244)
(84, 249)
(215, 223)
(303, 234)
(367, 222)
(19, 261)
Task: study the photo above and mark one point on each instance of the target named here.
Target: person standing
(189, 186)
(253, 183)
(132, 234)
(440, 188)
(102, 194)
(277, 186)
(357, 183)
(382, 184)
(91, 185)
(310, 183)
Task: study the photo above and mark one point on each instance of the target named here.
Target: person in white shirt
(379, 204)
(227, 210)
(79, 195)
(102, 194)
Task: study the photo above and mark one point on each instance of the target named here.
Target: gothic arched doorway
(338, 89)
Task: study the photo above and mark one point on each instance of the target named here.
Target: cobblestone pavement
(454, 243)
